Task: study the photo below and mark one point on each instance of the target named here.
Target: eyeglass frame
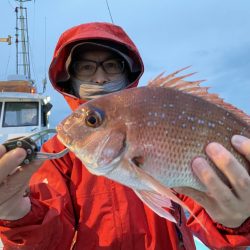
(99, 64)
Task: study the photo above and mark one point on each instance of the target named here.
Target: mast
(22, 41)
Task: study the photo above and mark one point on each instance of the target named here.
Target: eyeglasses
(88, 67)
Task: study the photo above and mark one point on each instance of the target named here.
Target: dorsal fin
(194, 88)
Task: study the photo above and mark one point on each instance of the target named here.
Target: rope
(109, 12)
(45, 56)
(33, 65)
(11, 4)
(30, 47)
(7, 66)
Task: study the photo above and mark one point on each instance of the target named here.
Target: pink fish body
(147, 137)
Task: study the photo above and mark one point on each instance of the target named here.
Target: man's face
(97, 66)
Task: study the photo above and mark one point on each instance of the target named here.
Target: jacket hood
(97, 32)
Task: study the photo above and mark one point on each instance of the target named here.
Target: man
(67, 206)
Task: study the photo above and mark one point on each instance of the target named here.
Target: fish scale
(180, 134)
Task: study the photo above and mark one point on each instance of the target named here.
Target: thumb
(194, 194)
(10, 161)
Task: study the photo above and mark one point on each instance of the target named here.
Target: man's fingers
(10, 161)
(9, 209)
(214, 185)
(226, 162)
(196, 195)
(17, 182)
(242, 144)
(33, 166)
(231, 168)
(23, 173)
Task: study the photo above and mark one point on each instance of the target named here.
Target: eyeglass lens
(88, 68)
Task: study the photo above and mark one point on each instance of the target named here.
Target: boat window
(18, 114)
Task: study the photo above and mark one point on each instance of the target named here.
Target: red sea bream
(147, 137)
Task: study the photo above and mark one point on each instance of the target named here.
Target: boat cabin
(22, 111)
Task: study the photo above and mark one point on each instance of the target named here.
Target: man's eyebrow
(108, 58)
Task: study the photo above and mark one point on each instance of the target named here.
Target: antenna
(109, 12)
(45, 58)
(22, 40)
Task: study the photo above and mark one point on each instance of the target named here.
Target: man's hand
(227, 206)
(14, 181)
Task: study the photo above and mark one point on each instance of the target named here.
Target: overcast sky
(213, 36)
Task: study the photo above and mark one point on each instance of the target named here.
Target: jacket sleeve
(51, 222)
(217, 236)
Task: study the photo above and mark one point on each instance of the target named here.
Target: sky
(212, 36)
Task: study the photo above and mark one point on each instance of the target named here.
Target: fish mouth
(63, 137)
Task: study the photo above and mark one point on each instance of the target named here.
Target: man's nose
(100, 76)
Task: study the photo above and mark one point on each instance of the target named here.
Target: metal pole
(17, 51)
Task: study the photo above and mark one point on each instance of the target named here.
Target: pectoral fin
(157, 203)
(160, 197)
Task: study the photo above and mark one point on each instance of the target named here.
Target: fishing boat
(23, 111)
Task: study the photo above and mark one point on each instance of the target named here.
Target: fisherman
(69, 208)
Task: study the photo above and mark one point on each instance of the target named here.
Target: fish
(146, 138)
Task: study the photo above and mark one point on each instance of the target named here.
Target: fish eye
(93, 119)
